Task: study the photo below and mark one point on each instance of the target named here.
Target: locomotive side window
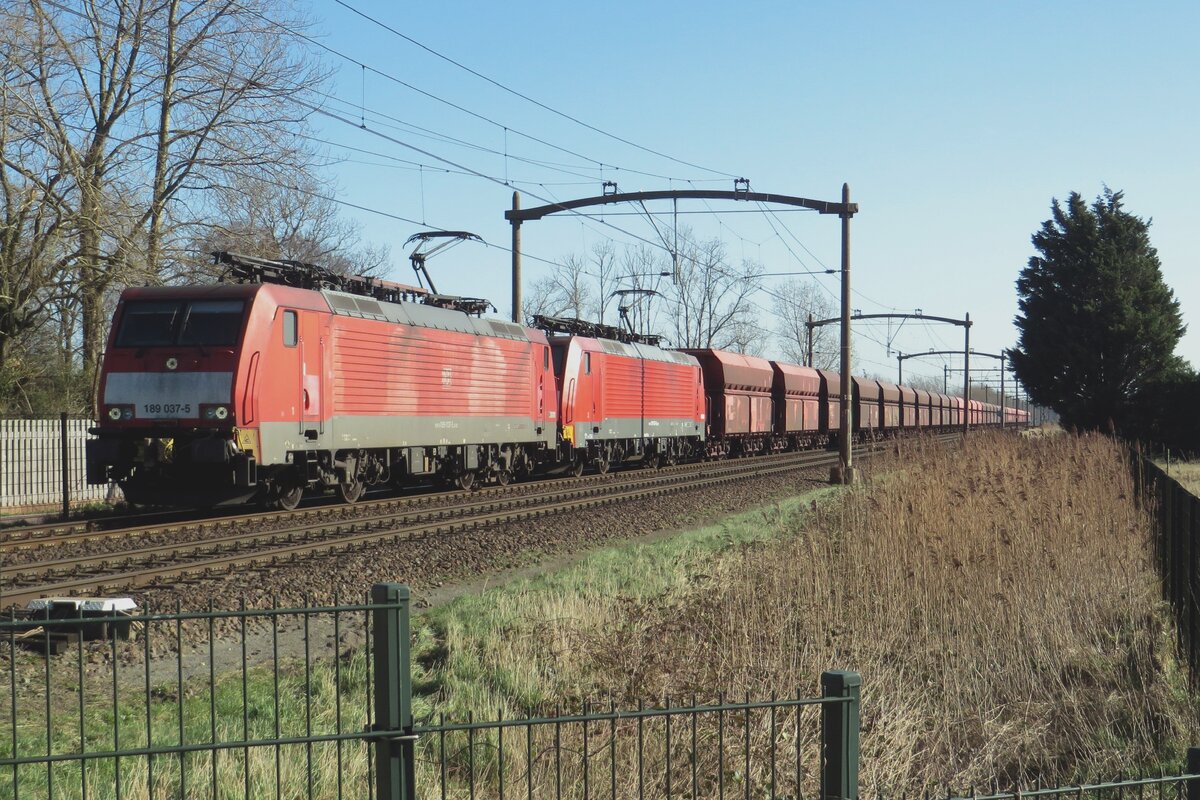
(215, 323)
(587, 363)
(289, 328)
(149, 323)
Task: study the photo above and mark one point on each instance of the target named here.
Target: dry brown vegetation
(997, 596)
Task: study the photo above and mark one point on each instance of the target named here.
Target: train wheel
(350, 491)
(466, 480)
(287, 498)
(602, 464)
(577, 468)
(504, 477)
(652, 462)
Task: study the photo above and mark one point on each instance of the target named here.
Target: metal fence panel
(31, 463)
(246, 704)
(316, 701)
(1177, 548)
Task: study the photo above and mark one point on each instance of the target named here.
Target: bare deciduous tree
(794, 304)
(33, 230)
(138, 104)
(711, 299)
(298, 222)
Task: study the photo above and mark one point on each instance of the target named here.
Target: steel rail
(180, 549)
(84, 530)
(342, 544)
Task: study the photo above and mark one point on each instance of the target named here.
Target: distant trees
(705, 303)
(1097, 322)
(711, 299)
(580, 286)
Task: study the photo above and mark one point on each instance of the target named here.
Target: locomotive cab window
(289, 328)
(185, 323)
(149, 323)
(212, 323)
(587, 363)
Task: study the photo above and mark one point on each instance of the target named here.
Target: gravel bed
(431, 562)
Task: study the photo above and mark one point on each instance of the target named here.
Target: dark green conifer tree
(1097, 323)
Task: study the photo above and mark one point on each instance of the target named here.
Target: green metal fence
(317, 702)
(1163, 787)
(1177, 549)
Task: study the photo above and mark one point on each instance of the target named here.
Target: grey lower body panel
(276, 439)
(636, 428)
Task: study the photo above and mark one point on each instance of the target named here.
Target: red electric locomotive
(215, 394)
(622, 399)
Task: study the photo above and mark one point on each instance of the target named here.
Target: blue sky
(954, 124)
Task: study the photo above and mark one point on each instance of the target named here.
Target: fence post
(1191, 789)
(66, 465)
(394, 749)
(839, 735)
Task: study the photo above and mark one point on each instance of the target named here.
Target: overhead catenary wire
(526, 97)
(364, 67)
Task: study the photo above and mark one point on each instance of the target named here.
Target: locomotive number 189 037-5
(167, 408)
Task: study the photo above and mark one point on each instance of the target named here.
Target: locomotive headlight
(215, 413)
(118, 413)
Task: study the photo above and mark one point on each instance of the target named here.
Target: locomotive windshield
(194, 323)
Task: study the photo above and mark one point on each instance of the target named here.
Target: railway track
(261, 540)
(180, 524)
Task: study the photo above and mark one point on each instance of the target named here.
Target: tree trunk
(162, 152)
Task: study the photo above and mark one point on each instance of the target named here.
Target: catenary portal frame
(844, 473)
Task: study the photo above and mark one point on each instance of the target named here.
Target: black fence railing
(317, 702)
(1177, 550)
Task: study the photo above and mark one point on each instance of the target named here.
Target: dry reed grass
(998, 598)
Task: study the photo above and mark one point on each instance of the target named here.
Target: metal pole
(839, 734)
(810, 327)
(516, 262)
(395, 756)
(847, 467)
(899, 368)
(1191, 788)
(967, 375)
(66, 465)
(945, 379)
(1002, 412)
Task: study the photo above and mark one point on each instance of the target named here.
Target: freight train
(291, 380)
